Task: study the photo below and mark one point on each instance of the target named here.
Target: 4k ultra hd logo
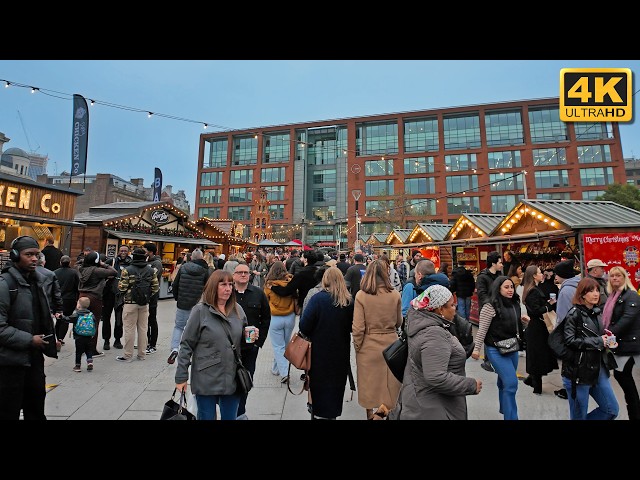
(595, 95)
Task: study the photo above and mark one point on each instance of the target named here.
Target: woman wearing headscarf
(501, 319)
(376, 317)
(621, 315)
(327, 322)
(435, 384)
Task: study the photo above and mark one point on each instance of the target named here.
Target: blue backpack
(85, 325)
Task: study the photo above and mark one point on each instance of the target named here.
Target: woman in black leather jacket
(621, 315)
(584, 371)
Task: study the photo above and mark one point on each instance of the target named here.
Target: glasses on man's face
(242, 273)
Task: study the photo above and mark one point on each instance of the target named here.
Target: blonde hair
(84, 302)
(376, 275)
(627, 280)
(333, 283)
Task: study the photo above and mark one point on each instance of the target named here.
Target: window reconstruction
(504, 203)
(463, 205)
(210, 196)
(240, 213)
(504, 128)
(276, 148)
(462, 132)
(554, 196)
(268, 175)
(543, 157)
(209, 212)
(275, 193)
(378, 188)
(215, 155)
(545, 125)
(506, 181)
(245, 151)
(461, 183)
(592, 194)
(276, 211)
(210, 179)
(377, 139)
(374, 168)
(419, 186)
(421, 135)
(593, 131)
(463, 161)
(596, 176)
(420, 165)
(420, 206)
(241, 177)
(552, 178)
(508, 159)
(239, 195)
(594, 154)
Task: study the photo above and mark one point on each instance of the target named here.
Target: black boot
(628, 385)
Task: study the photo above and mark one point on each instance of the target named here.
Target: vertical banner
(621, 249)
(80, 136)
(157, 185)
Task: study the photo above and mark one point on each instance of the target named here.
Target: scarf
(608, 308)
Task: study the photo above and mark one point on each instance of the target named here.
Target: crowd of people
(228, 306)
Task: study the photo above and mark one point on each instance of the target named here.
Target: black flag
(80, 136)
(157, 185)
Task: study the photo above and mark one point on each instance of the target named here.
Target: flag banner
(80, 136)
(157, 185)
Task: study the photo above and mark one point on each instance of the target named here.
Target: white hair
(197, 254)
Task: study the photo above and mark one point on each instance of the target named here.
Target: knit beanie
(433, 297)
(25, 242)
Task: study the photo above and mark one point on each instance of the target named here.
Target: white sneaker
(243, 417)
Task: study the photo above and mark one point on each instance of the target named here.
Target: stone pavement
(138, 390)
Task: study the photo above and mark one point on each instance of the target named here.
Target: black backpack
(141, 287)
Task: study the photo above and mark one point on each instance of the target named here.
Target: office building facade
(395, 170)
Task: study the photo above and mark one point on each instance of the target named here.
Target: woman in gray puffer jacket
(435, 384)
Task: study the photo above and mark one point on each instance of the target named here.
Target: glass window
(420, 206)
(377, 139)
(210, 196)
(326, 194)
(592, 131)
(506, 181)
(239, 213)
(419, 186)
(461, 183)
(268, 175)
(322, 214)
(378, 188)
(463, 161)
(215, 153)
(421, 135)
(504, 203)
(245, 151)
(504, 128)
(324, 145)
(418, 165)
(592, 194)
(596, 176)
(239, 195)
(375, 168)
(210, 179)
(209, 212)
(594, 154)
(275, 193)
(324, 177)
(463, 205)
(276, 212)
(546, 126)
(554, 196)
(552, 178)
(276, 148)
(508, 159)
(543, 157)
(462, 132)
(241, 176)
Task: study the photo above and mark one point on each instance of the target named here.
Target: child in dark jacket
(81, 335)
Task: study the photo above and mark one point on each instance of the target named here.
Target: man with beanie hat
(26, 333)
(568, 280)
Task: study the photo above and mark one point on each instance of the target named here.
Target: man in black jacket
(25, 321)
(187, 290)
(69, 279)
(302, 281)
(463, 285)
(52, 255)
(483, 286)
(156, 262)
(255, 304)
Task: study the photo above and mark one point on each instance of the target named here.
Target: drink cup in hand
(250, 334)
(612, 342)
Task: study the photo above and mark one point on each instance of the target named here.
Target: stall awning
(42, 220)
(161, 238)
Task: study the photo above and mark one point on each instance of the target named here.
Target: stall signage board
(621, 249)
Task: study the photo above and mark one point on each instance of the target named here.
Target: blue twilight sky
(234, 94)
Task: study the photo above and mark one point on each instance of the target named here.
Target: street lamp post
(356, 196)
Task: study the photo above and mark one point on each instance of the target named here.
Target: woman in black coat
(621, 315)
(540, 358)
(327, 322)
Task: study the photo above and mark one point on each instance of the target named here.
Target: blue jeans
(207, 406)
(280, 330)
(464, 307)
(181, 321)
(505, 366)
(602, 393)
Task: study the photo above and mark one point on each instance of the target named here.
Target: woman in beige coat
(377, 315)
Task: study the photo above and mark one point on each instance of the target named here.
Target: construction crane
(31, 150)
